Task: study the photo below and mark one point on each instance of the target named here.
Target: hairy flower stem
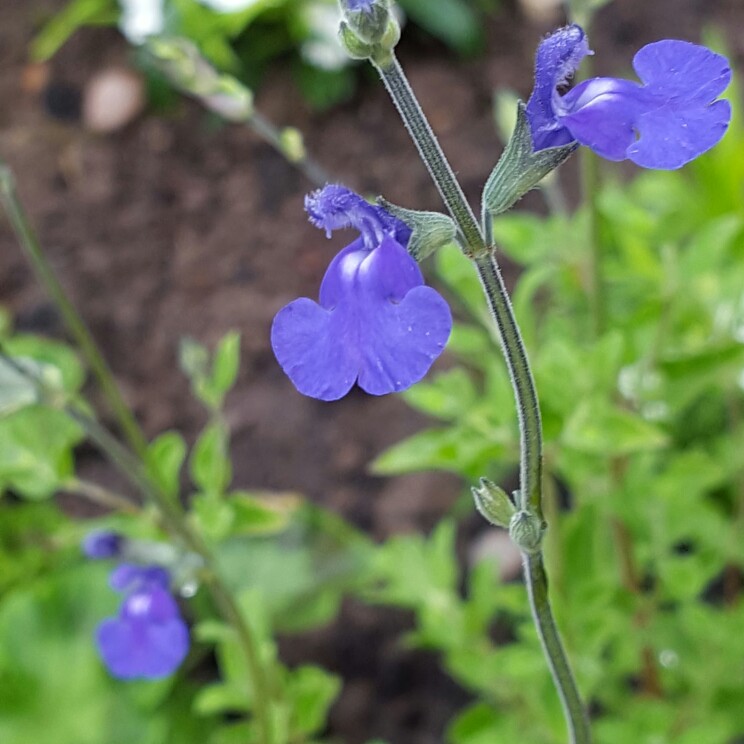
(73, 321)
(477, 244)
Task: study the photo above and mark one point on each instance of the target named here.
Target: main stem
(73, 321)
(478, 246)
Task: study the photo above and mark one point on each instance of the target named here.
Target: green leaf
(211, 470)
(262, 513)
(36, 451)
(446, 396)
(64, 24)
(165, 458)
(226, 364)
(213, 515)
(310, 692)
(18, 390)
(49, 353)
(599, 428)
(453, 21)
(458, 449)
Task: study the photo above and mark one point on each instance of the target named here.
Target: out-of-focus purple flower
(664, 122)
(148, 639)
(376, 323)
(101, 545)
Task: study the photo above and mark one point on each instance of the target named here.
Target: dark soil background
(176, 227)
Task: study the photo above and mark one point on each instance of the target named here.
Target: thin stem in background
(270, 133)
(101, 496)
(74, 323)
(479, 248)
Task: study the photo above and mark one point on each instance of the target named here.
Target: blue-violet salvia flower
(376, 323)
(664, 122)
(148, 639)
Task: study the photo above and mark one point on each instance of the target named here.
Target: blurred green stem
(74, 323)
(477, 244)
(101, 496)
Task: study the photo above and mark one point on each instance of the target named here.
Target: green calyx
(527, 530)
(376, 47)
(370, 22)
(493, 503)
(431, 230)
(520, 169)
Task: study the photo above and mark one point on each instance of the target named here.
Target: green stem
(431, 153)
(528, 408)
(537, 589)
(479, 247)
(271, 134)
(101, 496)
(73, 321)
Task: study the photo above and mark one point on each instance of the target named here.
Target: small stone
(542, 11)
(112, 99)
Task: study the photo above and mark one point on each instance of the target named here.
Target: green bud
(493, 503)
(230, 99)
(293, 145)
(354, 46)
(368, 19)
(520, 169)
(527, 530)
(431, 230)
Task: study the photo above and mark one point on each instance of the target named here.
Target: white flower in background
(322, 47)
(141, 18)
(232, 6)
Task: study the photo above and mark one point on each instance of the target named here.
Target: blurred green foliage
(242, 38)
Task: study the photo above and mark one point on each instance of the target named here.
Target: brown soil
(176, 227)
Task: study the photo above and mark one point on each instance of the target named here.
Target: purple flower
(664, 122)
(376, 323)
(100, 545)
(148, 639)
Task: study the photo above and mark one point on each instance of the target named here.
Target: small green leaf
(64, 24)
(165, 458)
(214, 515)
(211, 470)
(310, 691)
(36, 451)
(599, 428)
(226, 364)
(261, 514)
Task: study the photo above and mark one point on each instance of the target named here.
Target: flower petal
(142, 650)
(404, 326)
(681, 70)
(402, 340)
(602, 113)
(558, 57)
(671, 138)
(317, 348)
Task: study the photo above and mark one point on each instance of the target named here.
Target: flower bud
(368, 19)
(493, 503)
(526, 530)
